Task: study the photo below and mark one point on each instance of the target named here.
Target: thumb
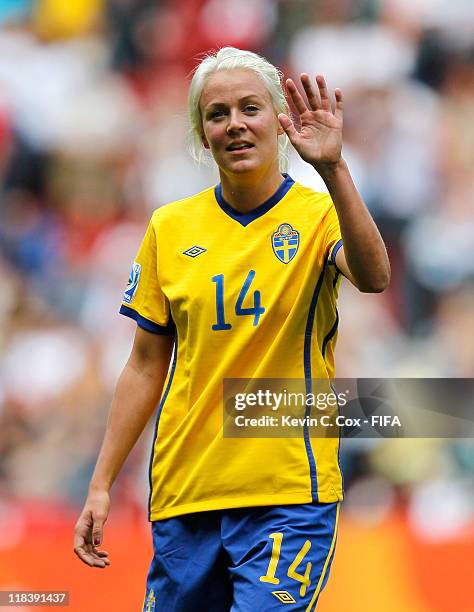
(289, 127)
(97, 531)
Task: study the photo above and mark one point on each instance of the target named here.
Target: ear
(205, 144)
(280, 130)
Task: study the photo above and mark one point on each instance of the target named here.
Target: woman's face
(240, 125)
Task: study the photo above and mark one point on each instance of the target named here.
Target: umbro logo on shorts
(194, 251)
(284, 597)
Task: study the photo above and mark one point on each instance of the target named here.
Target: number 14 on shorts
(271, 575)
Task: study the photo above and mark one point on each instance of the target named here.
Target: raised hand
(319, 141)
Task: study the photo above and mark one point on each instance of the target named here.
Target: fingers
(102, 553)
(89, 554)
(316, 99)
(91, 557)
(97, 530)
(87, 536)
(312, 96)
(289, 127)
(296, 97)
(323, 92)
(339, 104)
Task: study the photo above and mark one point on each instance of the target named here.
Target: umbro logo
(194, 251)
(284, 597)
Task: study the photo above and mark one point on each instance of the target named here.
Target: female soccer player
(239, 281)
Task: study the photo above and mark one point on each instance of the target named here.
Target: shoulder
(177, 211)
(314, 199)
(317, 206)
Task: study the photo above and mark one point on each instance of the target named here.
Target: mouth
(239, 147)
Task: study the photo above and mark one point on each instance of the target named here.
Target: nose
(236, 123)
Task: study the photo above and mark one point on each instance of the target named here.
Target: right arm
(136, 396)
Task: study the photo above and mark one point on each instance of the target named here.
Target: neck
(245, 193)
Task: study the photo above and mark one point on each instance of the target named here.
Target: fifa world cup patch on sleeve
(132, 282)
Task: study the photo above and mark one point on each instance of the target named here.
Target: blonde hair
(230, 58)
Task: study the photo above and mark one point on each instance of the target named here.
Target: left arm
(363, 258)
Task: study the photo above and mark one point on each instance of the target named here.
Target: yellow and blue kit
(244, 560)
(246, 295)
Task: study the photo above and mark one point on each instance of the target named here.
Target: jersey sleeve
(332, 234)
(143, 299)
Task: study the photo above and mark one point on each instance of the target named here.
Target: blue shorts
(243, 560)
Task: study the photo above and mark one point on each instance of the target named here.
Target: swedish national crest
(285, 242)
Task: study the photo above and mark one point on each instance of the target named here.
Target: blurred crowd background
(93, 138)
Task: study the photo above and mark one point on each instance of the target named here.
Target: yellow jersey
(247, 295)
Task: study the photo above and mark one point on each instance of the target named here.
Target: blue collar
(247, 217)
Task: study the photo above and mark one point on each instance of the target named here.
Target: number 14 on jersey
(256, 310)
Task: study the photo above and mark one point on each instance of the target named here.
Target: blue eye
(216, 114)
(251, 108)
